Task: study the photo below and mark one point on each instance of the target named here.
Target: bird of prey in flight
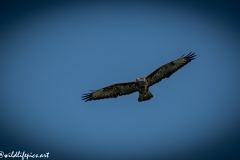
(140, 85)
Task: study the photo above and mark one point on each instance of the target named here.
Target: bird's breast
(142, 87)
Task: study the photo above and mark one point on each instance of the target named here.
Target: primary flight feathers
(141, 84)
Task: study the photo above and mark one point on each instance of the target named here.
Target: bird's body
(143, 89)
(140, 85)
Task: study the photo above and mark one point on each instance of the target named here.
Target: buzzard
(141, 85)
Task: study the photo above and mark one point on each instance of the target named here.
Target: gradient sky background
(53, 52)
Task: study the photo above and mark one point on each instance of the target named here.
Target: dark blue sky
(52, 53)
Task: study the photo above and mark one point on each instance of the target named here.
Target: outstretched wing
(168, 69)
(111, 91)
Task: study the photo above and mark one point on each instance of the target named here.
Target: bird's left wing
(112, 91)
(168, 69)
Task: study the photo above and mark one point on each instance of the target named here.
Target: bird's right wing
(168, 69)
(112, 91)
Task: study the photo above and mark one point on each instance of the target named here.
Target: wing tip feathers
(87, 96)
(190, 56)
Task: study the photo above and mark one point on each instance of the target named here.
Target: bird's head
(140, 79)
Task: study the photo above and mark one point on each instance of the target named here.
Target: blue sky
(51, 55)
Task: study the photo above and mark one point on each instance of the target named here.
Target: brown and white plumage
(111, 91)
(168, 69)
(141, 84)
